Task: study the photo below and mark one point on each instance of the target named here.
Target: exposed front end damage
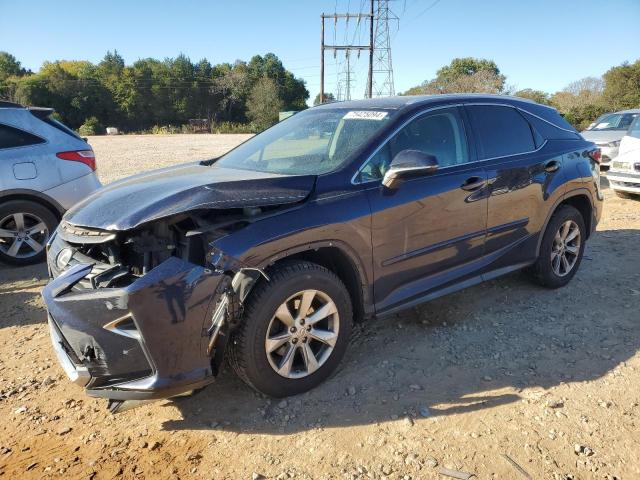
(144, 314)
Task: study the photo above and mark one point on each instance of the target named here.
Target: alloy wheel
(22, 235)
(302, 334)
(565, 248)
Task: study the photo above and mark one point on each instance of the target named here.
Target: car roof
(630, 110)
(7, 104)
(402, 101)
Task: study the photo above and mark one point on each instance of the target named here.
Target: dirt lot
(549, 378)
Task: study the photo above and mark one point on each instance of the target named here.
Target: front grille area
(84, 234)
(58, 263)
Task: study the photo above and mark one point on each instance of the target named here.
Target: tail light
(83, 156)
(596, 155)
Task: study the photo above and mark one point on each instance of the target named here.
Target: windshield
(613, 121)
(312, 142)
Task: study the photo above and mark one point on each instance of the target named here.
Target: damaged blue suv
(266, 256)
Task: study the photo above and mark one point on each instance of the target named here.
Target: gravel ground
(549, 379)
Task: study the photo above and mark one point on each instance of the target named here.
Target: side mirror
(409, 164)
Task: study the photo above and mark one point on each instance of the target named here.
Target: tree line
(580, 102)
(244, 96)
(154, 92)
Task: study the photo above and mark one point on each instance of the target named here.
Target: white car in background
(607, 131)
(624, 174)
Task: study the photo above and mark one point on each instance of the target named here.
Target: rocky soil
(504, 380)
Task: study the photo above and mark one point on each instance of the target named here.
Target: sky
(539, 44)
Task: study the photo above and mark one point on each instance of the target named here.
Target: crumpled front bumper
(145, 341)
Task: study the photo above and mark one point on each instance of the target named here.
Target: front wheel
(561, 249)
(294, 331)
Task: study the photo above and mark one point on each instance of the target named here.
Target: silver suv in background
(45, 168)
(607, 131)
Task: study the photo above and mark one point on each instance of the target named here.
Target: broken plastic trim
(119, 406)
(241, 284)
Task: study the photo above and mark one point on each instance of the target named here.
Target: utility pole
(347, 48)
(322, 62)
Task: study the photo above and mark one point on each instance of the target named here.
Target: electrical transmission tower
(345, 79)
(382, 66)
(380, 74)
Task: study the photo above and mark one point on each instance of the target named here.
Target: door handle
(551, 166)
(473, 183)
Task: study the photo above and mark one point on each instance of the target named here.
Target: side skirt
(469, 282)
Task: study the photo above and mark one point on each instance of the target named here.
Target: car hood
(161, 193)
(602, 136)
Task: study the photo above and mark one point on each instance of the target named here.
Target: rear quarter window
(549, 123)
(60, 126)
(500, 131)
(11, 137)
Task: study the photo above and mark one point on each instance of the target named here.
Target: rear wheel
(25, 227)
(294, 331)
(561, 249)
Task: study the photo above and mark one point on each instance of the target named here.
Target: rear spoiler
(41, 112)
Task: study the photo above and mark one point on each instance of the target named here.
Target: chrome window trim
(440, 107)
(525, 111)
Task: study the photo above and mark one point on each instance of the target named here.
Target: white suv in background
(624, 174)
(45, 168)
(607, 131)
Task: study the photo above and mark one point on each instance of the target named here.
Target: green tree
(10, 72)
(466, 67)
(91, 126)
(292, 91)
(264, 103)
(10, 66)
(536, 95)
(328, 98)
(152, 92)
(464, 75)
(622, 86)
(581, 101)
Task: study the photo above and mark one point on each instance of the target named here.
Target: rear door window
(11, 137)
(501, 131)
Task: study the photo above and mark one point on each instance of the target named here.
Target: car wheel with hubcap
(25, 228)
(294, 331)
(561, 249)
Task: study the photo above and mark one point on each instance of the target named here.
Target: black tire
(247, 350)
(30, 210)
(542, 271)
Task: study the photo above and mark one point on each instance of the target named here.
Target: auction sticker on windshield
(365, 115)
